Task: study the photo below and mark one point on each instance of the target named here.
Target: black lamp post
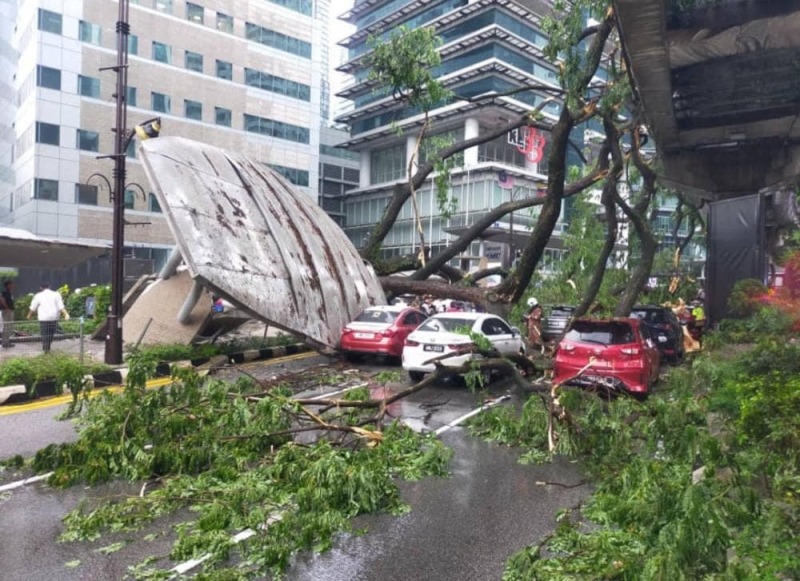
(122, 139)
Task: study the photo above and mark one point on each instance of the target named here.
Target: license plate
(435, 348)
(600, 363)
(364, 335)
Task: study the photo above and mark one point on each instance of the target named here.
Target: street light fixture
(122, 139)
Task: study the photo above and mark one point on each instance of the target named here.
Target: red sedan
(614, 353)
(380, 331)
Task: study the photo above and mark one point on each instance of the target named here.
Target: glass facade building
(245, 76)
(489, 48)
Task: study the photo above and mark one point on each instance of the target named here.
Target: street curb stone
(12, 394)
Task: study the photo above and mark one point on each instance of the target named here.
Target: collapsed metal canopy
(249, 235)
(20, 248)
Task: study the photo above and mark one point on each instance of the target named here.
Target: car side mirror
(515, 332)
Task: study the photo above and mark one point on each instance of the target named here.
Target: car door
(411, 321)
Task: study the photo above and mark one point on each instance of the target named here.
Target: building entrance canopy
(248, 235)
(21, 249)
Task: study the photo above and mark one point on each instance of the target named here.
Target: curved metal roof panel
(247, 233)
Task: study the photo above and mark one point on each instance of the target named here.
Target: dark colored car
(614, 353)
(555, 321)
(665, 329)
(380, 331)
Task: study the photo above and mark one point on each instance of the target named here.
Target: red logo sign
(528, 141)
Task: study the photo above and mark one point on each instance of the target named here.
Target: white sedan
(448, 332)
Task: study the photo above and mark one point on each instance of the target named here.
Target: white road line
(345, 390)
(187, 566)
(21, 483)
(475, 412)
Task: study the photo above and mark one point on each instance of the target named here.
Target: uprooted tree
(402, 65)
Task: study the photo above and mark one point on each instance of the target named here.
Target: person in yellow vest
(699, 322)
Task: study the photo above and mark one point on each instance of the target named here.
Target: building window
(133, 44)
(194, 61)
(193, 110)
(48, 78)
(278, 129)
(45, 189)
(86, 194)
(162, 52)
(301, 6)
(222, 116)
(131, 97)
(48, 133)
(194, 13)
(164, 6)
(387, 164)
(88, 32)
(152, 203)
(224, 22)
(89, 86)
(160, 102)
(49, 21)
(88, 140)
(277, 40)
(130, 199)
(298, 177)
(254, 78)
(224, 70)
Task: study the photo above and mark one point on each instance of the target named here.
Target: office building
(491, 48)
(248, 76)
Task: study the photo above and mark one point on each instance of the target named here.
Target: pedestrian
(533, 319)
(7, 306)
(48, 306)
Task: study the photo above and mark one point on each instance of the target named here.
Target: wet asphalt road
(463, 527)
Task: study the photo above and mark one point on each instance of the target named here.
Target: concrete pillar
(471, 129)
(363, 177)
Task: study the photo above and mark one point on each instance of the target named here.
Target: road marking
(475, 412)
(65, 399)
(21, 483)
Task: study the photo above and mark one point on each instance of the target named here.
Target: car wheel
(353, 357)
(415, 376)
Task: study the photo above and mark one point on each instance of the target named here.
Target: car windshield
(376, 317)
(447, 325)
(650, 316)
(601, 332)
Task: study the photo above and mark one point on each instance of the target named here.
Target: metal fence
(28, 338)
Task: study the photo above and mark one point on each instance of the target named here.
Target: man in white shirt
(48, 305)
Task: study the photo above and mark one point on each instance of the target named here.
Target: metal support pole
(122, 138)
(191, 300)
(171, 266)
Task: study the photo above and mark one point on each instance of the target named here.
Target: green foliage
(181, 351)
(405, 64)
(225, 458)
(59, 367)
(742, 302)
(735, 414)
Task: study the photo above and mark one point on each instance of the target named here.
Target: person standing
(533, 319)
(7, 306)
(48, 306)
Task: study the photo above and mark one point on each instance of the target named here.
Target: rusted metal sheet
(250, 236)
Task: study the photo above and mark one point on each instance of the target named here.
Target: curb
(12, 394)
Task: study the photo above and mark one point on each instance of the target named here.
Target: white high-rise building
(8, 63)
(248, 76)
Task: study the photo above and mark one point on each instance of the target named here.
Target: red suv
(380, 331)
(615, 353)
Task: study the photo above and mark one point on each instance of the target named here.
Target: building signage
(530, 141)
